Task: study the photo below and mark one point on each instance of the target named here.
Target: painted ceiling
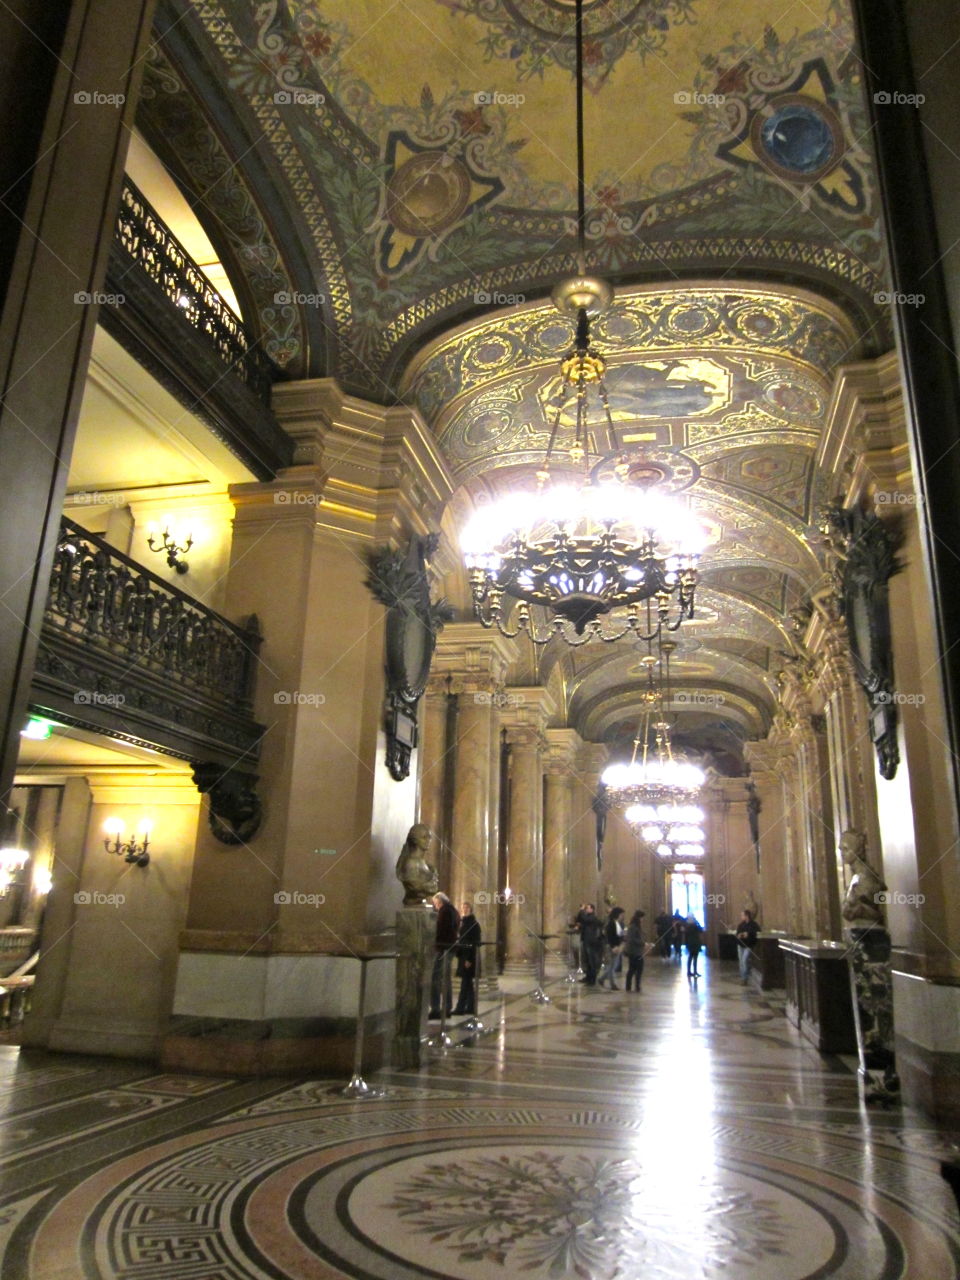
(376, 173)
(391, 189)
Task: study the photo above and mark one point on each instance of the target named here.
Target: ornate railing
(150, 243)
(105, 599)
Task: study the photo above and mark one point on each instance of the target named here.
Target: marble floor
(683, 1132)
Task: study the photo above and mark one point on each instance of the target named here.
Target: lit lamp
(11, 861)
(132, 850)
(169, 543)
(604, 541)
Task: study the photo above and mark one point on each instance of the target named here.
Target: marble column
(477, 661)
(432, 808)
(820, 858)
(562, 749)
(525, 845)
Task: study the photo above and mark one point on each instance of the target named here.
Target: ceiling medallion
(584, 543)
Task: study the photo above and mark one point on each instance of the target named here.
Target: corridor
(686, 1131)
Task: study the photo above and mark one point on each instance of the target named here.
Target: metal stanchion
(442, 1041)
(358, 1087)
(538, 995)
(575, 971)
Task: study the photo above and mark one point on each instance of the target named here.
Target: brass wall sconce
(133, 850)
(165, 542)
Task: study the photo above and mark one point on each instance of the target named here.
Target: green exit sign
(326, 853)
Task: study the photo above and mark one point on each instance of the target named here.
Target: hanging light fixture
(598, 539)
(654, 779)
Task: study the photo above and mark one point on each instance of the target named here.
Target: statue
(752, 905)
(862, 906)
(610, 897)
(418, 877)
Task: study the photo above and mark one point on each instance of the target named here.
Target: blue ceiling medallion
(797, 137)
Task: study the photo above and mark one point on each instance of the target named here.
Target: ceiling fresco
(392, 191)
(424, 165)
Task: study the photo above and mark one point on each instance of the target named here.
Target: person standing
(693, 934)
(664, 927)
(633, 948)
(747, 933)
(591, 943)
(448, 927)
(468, 954)
(614, 935)
(677, 936)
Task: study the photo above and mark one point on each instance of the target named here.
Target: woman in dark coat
(468, 953)
(693, 935)
(634, 948)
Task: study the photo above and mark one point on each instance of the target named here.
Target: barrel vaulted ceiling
(391, 188)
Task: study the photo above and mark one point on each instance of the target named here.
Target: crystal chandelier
(673, 830)
(591, 541)
(653, 777)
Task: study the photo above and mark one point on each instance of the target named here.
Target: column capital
(469, 651)
(563, 750)
(593, 760)
(527, 707)
(525, 735)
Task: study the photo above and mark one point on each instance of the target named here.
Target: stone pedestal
(871, 986)
(416, 938)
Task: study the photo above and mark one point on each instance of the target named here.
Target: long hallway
(683, 1132)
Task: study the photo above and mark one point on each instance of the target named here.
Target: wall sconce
(165, 542)
(11, 861)
(132, 850)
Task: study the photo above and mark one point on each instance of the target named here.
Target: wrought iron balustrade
(149, 243)
(107, 601)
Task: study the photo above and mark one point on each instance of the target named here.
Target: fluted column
(431, 807)
(525, 718)
(477, 661)
(562, 749)
(818, 826)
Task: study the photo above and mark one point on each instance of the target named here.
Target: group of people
(676, 932)
(603, 945)
(458, 939)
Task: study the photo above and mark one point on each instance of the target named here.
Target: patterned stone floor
(683, 1132)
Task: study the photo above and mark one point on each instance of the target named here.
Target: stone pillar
(525, 718)
(586, 883)
(563, 746)
(477, 661)
(819, 845)
(272, 942)
(433, 749)
(66, 129)
(770, 892)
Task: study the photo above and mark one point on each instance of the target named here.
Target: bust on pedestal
(416, 936)
(870, 975)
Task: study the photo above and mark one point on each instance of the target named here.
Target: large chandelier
(586, 541)
(653, 778)
(672, 830)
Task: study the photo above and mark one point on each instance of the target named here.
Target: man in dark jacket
(448, 928)
(747, 932)
(468, 952)
(591, 943)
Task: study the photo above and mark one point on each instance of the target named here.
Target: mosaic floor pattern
(686, 1132)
